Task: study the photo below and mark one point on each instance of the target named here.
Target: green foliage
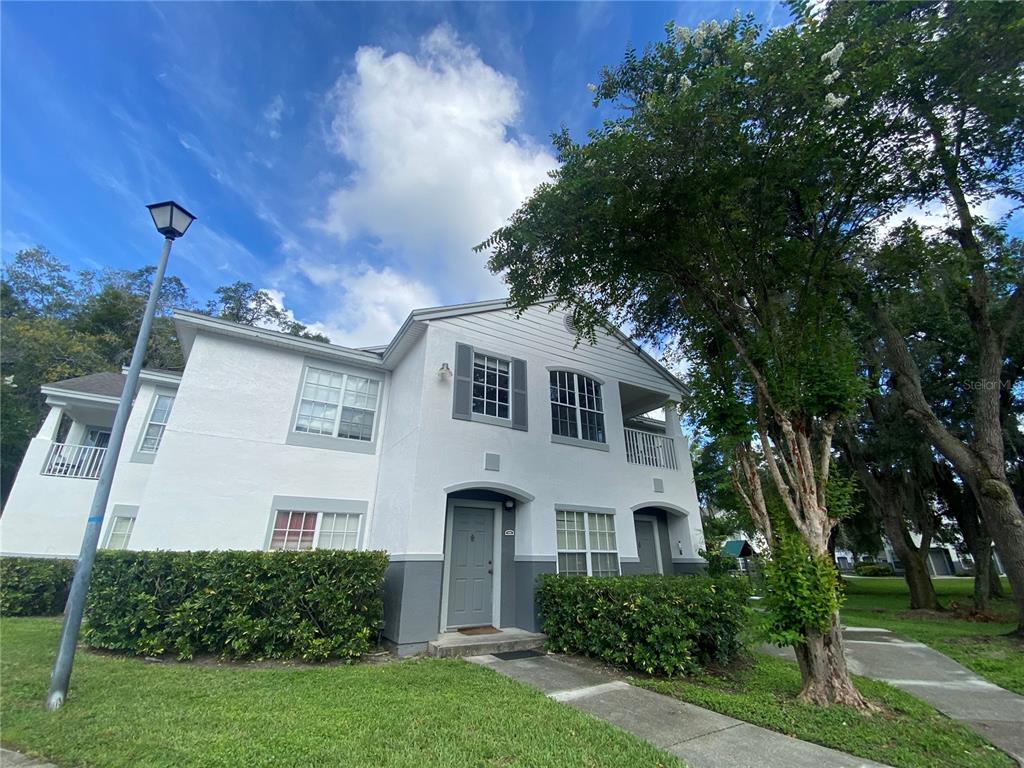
(242, 302)
(873, 569)
(657, 624)
(34, 586)
(719, 562)
(238, 605)
(801, 591)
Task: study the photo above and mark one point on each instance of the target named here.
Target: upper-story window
(337, 404)
(158, 418)
(489, 388)
(577, 408)
(491, 385)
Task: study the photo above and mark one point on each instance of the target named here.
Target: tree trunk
(822, 661)
(982, 575)
(914, 559)
(1003, 518)
(995, 584)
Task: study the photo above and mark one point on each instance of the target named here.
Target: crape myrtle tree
(949, 77)
(716, 212)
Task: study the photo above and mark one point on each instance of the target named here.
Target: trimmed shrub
(237, 605)
(873, 569)
(656, 624)
(34, 586)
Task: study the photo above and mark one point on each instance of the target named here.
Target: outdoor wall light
(171, 219)
(444, 372)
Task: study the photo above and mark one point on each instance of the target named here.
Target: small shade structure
(171, 220)
(738, 548)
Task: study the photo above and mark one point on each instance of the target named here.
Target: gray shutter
(462, 405)
(519, 394)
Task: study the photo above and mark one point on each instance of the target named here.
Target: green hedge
(873, 569)
(237, 605)
(34, 586)
(656, 624)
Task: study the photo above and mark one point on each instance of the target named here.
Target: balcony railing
(79, 461)
(650, 450)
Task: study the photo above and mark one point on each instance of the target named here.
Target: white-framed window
(586, 543)
(158, 418)
(120, 532)
(491, 388)
(299, 530)
(577, 407)
(337, 404)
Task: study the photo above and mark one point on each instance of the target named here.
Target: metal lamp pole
(172, 220)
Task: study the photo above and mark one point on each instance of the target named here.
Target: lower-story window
(120, 532)
(297, 530)
(586, 543)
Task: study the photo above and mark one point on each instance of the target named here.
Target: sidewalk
(698, 737)
(9, 759)
(995, 713)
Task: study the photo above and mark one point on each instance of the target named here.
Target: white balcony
(649, 449)
(77, 461)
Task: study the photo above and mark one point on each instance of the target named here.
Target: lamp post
(171, 221)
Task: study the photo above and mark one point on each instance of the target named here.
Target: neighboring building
(478, 448)
(943, 559)
(742, 551)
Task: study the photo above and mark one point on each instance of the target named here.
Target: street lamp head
(171, 219)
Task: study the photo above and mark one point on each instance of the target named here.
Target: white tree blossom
(683, 35)
(684, 83)
(747, 66)
(832, 77)
(832, 57)
(834, 102)
(591, 87)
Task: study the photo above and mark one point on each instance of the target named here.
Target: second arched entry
(653, 544)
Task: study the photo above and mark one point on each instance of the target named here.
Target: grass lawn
(979, 646)
(906, 733)
(126, 712)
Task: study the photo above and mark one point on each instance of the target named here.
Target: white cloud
(437, 164)
(371, 303)
(272, 115)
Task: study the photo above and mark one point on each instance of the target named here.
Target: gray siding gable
(543, 333)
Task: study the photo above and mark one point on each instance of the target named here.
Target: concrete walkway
(995, 713)
(11, 759)
(698, 737)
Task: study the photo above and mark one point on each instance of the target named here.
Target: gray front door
(471, 567)
(646, 546)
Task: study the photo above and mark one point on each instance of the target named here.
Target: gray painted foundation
(412, 604)
(525, 581)
(689, 568)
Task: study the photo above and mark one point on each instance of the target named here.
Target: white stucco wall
(223, 457)
(451, 451)
(46, 515)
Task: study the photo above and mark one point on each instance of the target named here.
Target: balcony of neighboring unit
(649, 449)
(81, 462)
(650, 441)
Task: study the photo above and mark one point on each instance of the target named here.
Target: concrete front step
(451, 644)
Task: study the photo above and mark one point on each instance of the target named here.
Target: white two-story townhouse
(480, 448)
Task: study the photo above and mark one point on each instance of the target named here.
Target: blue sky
(346, 157)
